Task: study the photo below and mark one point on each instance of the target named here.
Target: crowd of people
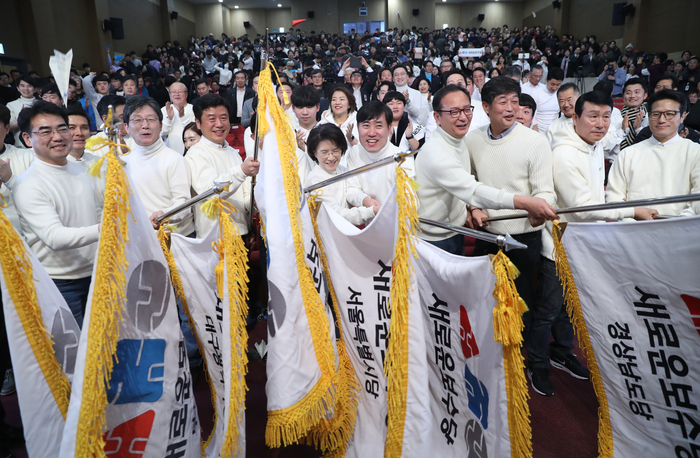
(496, 132)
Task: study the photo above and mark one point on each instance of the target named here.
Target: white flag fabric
(456, 395)
(151, 411)
(196, 262)
(60, 65)
(636, 303)
(43, 396)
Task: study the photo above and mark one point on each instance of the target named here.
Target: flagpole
(365, 168)
(609, 206)
(217, 189)
(504, 241)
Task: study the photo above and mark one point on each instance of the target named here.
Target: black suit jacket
(231, 95)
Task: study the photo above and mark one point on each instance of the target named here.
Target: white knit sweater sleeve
(355, 215)
(694, 207)
(540, 164)
(203, 174)
(167, 122)
(179, 182)
(617, 188)
(354, 193)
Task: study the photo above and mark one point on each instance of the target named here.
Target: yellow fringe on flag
(339, 429)
(573, 307)
(507, 329)
(292, 424)
(19, 279)
(108, 299)
(396, 364)
(164, 232)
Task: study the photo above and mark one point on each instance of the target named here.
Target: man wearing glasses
(59, 205)
(664, 165)
(444, 174)
(176, 115)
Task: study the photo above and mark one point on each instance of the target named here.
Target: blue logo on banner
(139, 374)
(478, 397)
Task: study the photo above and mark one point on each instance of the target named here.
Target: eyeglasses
(138, 122)
(455, 113)
(47, 132)
(656, 115)
(335, 152)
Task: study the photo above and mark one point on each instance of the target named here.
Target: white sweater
(520, 163)
(303, 160)
(334, 196)
(59, 210)
(650, 169)
(377, 182)
(446, 185)
(579, 177)
(172, 128)
(161, 180)
(85, 160)
(327, 118)
(417, 107)
(20, 160)
(15, 107)
(209, 162)
(547, 108)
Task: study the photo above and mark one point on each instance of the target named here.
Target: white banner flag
(43, 337)
(196, 262)
(150, 409)
(636, 303)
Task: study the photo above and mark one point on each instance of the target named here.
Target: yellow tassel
(108, 298)
(573, 307)
(292, 424)
(19, 280)
(210, 208)
(164, 232)
(396, 365)
(507, 329)
(334, 434)
(95, 167)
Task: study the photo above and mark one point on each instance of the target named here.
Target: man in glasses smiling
(59, 205)
(664, 165)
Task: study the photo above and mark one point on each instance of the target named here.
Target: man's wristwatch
(409, 138)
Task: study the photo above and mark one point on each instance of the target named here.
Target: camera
(611, 67)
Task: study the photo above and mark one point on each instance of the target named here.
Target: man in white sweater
(372, 188)
(79, 125)
(546, 98)
(26, 86)
(158, 174)
(213, 160)
(176, 115)
(567, 94)
(664, 165)
(415, 105)
(13, 162)
(58, 204)
(305, 103)
(445, 180)
(579, 173)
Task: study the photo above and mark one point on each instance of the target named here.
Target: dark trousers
(75, 292)
(549, 316)
(453, 245)
(527, 262)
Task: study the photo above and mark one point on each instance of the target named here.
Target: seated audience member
(79, 125)
(401, 131)
(213, 160)
(190, 135)
(50, 93)
(13, 162)
(664, 165)
(526, 110)
(326, 144)
(158, 173)
(59, 205)
(26, 86)
(445, 180)
(634, 113)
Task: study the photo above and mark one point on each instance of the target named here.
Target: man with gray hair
(176, 115)
(533, 82)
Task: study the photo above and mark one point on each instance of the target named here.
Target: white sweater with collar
(59, 210)
(446, 185)
(334, 196)
(377, 182)
(172, 128)
(20, 160)
(650, 169)
(161, 180)
(209, 162)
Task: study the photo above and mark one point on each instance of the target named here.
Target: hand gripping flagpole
(610, 206)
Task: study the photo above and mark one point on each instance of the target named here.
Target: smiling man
(79, 125)
(176, 115)
(58, 204)
(305, 103)
(567, 94)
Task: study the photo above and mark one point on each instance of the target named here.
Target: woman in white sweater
(326, 145)
(342, 113)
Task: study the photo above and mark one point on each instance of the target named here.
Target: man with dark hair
(305, 104)
(615, 75)
(513, 72)
(59, 205)
(361, 90)
(444, 174)
(479, 79)
(533, 83)
(656, 70)
(319, 84)
(202, 87)
(546, 98)
(115, 81)
(371, 189)
(237, 96)
(50, 93)
(526, 110)
(384, 87)
(212, 159)
(664, 165)
(13, 162)
(27, 89)
(579, 174)
(79, 126)
(567, 94)
(117, 102)
(95, 87)
(634, 113)
(416, 106)
(7, 93)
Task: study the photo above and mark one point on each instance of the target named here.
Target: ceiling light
(236, 6)
(279, 5)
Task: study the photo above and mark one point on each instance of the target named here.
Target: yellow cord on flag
(340, 428)
(396, 364)
(164, 232)
(19, 279)
(232, 269)
(507, 329)
(108, 299)
(573, 307)
(292, 424)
